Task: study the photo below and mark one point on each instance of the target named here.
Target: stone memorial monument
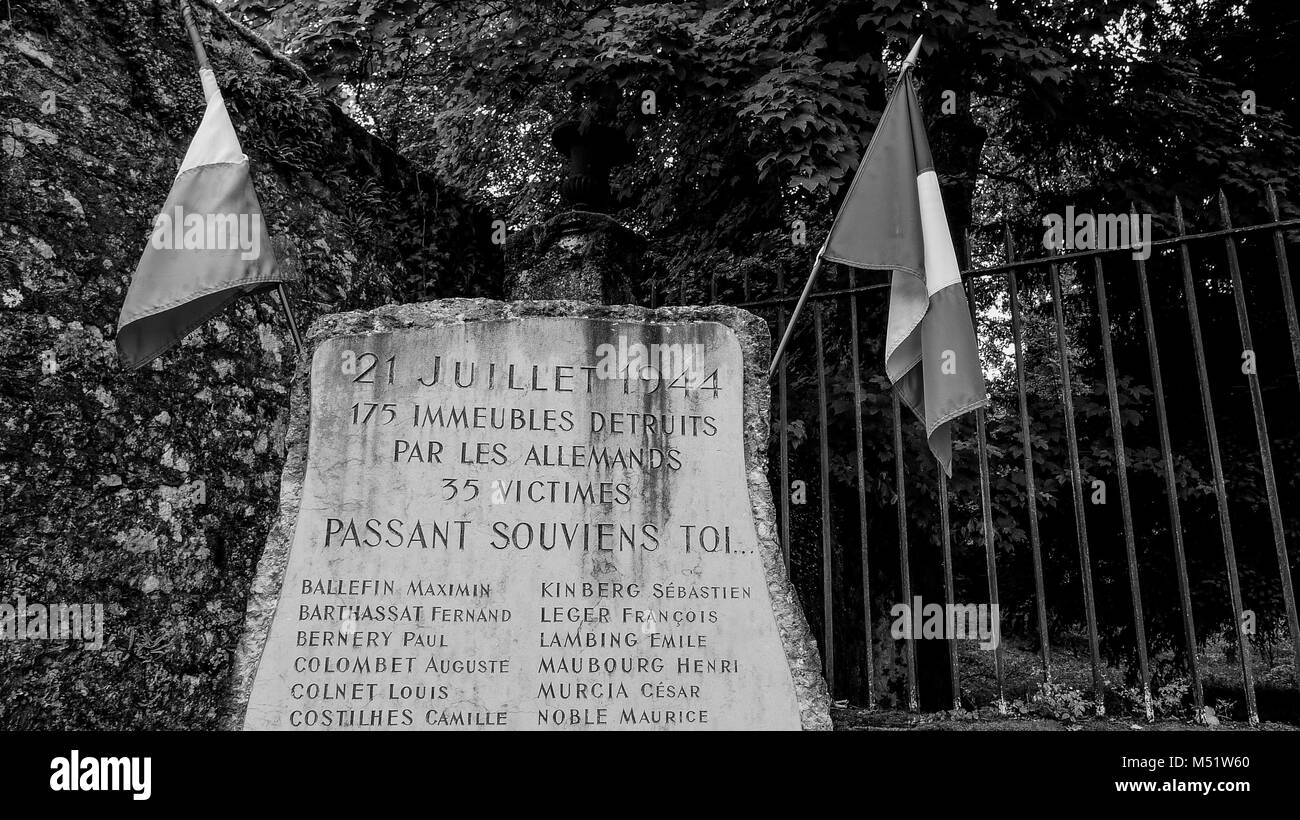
(534, 514)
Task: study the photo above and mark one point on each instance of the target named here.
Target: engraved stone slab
(537, 515)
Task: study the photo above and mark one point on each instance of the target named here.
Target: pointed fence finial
(1223, 209)
(1178, 216)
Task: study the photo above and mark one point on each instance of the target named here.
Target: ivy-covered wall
(151, 493)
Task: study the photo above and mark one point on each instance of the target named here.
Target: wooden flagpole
(207, 77)
(817, 264)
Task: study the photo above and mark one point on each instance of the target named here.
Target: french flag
(893, 219)
(209, 245)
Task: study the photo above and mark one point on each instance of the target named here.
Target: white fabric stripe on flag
(209, 80)
(941, 269)
(215, 142)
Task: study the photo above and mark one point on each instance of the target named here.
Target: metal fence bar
(1216, 463)
(986, 508)
(1073, 256)
(869, 671)
(1284, 274)
(949, 591)
(1171, 489)
(1026, 440)
(904, 570)
(1265, 447)
(1076, 481)
(990, 551)
(828, 592)
(820, 295)
(1125, 503)
(783, 451)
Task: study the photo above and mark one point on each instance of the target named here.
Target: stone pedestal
(528, 515)
(578, 255)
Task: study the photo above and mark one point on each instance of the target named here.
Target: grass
(1067, 703)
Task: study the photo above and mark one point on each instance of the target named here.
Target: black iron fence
(1027, 506)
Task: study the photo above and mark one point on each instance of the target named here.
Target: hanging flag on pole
(209, 244)
(893, 219)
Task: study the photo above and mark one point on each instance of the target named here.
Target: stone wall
(151, 493)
